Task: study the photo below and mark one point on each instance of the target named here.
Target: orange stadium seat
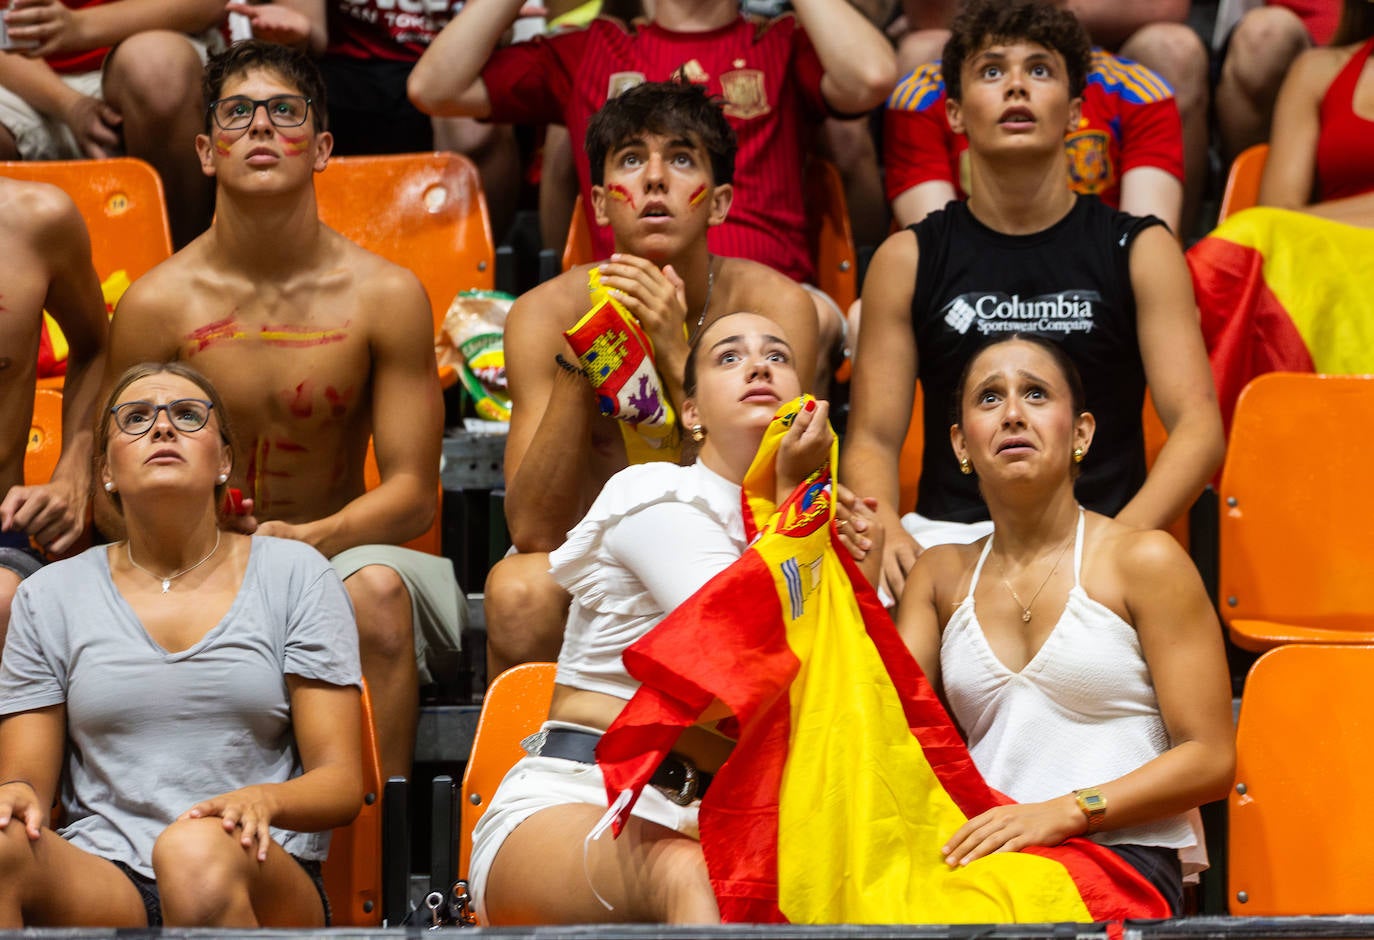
(45, 436)
(430, 542)
(516, 704)
(423, 211)
(827, 228)
(1295, 552)
(353, 871)
(1298, 834)
(120, 199)
(1243, 182)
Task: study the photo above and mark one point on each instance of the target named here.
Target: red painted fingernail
(811, 405)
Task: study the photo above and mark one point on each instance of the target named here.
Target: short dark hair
(142, 370)
(1055, 351)
(293, 65)
(982, 23)
(673, 109)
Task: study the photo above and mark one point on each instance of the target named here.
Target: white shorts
(43, 137)
(536, 783)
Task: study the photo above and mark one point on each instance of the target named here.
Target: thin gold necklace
(1026, 608)
(167, 581)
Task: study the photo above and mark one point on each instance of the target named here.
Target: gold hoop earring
(1078, 455)
(965, 466)
(698, 433)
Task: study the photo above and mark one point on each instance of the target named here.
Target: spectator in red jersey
(1154, 33)
(1255, 56)
(96, 78)
(779, 78)
(1319, 151)
(1127, 149)
(366, 50)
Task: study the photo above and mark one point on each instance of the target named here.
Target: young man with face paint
(315, 345)
(663, 161)
(45, 263)
(1025, 253)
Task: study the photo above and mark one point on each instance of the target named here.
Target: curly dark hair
(293, 65)
(982, 23)
(672, 109)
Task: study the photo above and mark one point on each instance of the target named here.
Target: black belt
(677, 777)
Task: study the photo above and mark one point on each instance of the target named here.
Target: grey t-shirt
(150, 734)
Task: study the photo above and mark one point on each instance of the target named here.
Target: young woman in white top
(194, 691)
(656, 534)
(1079, 656)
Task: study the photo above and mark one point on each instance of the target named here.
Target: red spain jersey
(1130, 119)
(396, 30)
(767, 73)
(85, 60)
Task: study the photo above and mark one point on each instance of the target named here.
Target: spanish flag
(1283, 291)
(848, 775)
(52, 343)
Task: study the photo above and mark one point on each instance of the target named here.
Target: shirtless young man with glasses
(315, 345)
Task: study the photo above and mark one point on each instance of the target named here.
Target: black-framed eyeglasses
(236, 112)
(186, 414)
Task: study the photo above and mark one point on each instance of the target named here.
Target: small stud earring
(109, 486)
(1078, 455)
(222, 478)
(965, 466)
(698, 433)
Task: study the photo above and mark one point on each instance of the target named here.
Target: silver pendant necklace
(710, 286)
(167, 581)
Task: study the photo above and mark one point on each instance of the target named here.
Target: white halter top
(1082, 712)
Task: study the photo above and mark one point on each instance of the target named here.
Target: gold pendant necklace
(1026, 608)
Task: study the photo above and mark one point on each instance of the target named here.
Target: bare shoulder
(554, 306)
(745, 279)
(374, 274)
(948, 569)
(1316, 68)
(169, 285)
(898, 250)
(43, 216)
(1143, 559)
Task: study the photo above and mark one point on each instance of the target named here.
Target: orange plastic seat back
(45, 436)
(829, 238)
(353, 871)
(1298, 840)
(577, 248)
(828, 233)
(1243, 182)
(516, 704)
(423, 211)
(122, 203)
(430, 542)
(1295, 549)
(913, 453)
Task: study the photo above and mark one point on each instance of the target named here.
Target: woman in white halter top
(1080, 657)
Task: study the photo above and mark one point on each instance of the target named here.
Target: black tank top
(1071, 283)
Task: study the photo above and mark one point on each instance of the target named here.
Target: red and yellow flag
(848, 775)
(1283, 291)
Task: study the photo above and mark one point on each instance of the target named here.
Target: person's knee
(16, 853)
(1177, 53)
(199, 868)
(382, 606)
(525, 611)
(154, 75)
(1262, 46)
(686, 895)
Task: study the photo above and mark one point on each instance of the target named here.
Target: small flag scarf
(617, 357)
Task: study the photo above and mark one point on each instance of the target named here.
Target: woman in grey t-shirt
(202, 685)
